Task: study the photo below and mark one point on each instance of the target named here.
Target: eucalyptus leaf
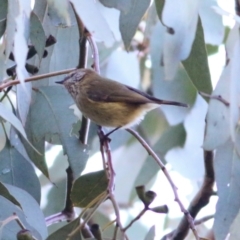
(3, 9)
(37, 35)
(49, 119)
(218, 115)
(13, 8)
(196, 64)
(2, 26)
(17, 171)
(130, 19)
(88, 187)
(226, 168)
(179, 89)
(62, 233)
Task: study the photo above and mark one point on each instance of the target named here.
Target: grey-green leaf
(227, 168)
(37, 35)
(196, 64)
(130, 19)
(17, 171)
(88, 187)
(62, 233)
(49, 119)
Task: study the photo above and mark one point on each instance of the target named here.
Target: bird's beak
(60, 82)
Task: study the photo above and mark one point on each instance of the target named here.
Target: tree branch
(173, 186)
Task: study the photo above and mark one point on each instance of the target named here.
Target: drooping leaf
(196, 64)
(62, 233)
(130, 19)
(227, 168)
(179, 89)
(218, 116)
(37, 35)
(179, 35)
(159, 7)
(88, 187)
(17, 171)
(3, 9)
(51, 119)
(21, 35)
(3, 24)
(212, 22)
(13, 8)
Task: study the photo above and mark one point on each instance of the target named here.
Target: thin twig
(203, 219)
(174, 188)
(35, 78)
(58, 217)
(219, 98)
(135, 219)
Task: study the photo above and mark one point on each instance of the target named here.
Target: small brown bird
(109, 103)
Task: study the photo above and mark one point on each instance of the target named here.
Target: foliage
(160, 47)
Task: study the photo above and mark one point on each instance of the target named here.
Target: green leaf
(5, 193)
(2, 26)
(3, 9)
(51, 107)
(17, 171)
(62, 233)
(130, 19)
(88, 187)
(196, 64)
(37, 35)
(226, 168)
(159, 7)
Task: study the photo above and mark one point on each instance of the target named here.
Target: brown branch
(35, 78)
(201, 199)
(174, 188)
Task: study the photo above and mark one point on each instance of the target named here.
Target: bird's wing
(123, 94)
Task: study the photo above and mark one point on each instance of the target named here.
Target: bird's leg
(105, 137)
(109, 133)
